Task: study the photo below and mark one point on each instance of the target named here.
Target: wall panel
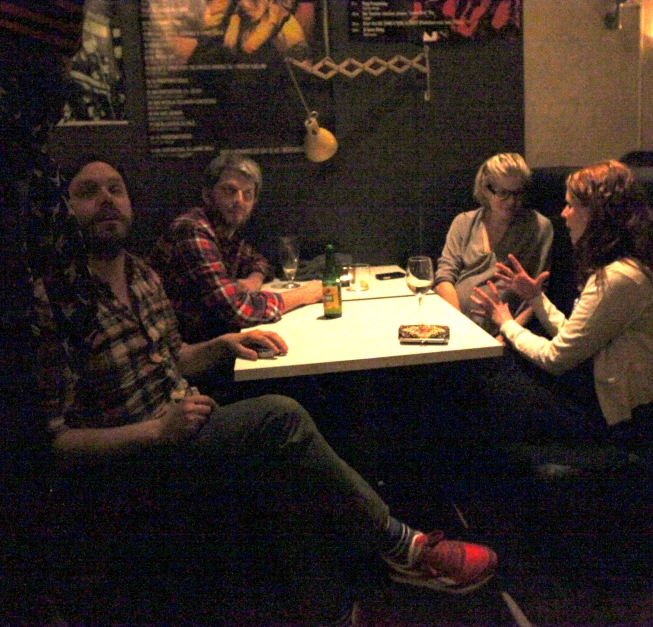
(393, 145)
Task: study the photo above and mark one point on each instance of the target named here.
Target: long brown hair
(620, 224)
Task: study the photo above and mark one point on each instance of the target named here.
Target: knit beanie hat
(57, 23)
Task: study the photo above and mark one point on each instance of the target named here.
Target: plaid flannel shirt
(200, 267)
(131, 358)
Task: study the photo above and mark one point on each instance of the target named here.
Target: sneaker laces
(433, 538)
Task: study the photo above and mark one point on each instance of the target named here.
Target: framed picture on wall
(217, 78)
(97, 72)
(414, 21)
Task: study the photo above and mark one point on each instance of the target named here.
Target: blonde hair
(233, 161)
(501, 165)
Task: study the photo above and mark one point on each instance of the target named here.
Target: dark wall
(375, 197)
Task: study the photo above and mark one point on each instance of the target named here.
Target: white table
(365, 338)
(378, 289)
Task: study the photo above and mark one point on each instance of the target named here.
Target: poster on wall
(97, 73)
(431, 21)
(217, 78)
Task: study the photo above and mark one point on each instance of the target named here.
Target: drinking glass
(359, 277)
(289, 259)
(419, 278)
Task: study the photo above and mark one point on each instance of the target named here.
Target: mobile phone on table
(384, 276)
(264, 352)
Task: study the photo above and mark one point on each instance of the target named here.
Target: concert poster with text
(217, 78)
(97, 86)
(433, 21)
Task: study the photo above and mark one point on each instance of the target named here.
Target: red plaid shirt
(130, 366)
(200, 267)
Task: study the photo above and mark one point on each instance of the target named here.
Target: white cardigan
(614, 325)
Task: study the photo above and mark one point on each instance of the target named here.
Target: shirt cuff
(510, 329)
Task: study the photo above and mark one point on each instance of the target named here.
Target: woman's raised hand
(519, 281)
(490, 305)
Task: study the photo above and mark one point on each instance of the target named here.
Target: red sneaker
(446, 565)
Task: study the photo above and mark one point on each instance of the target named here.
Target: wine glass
(289, 259)
(419, 278)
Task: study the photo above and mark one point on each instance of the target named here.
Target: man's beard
(105, 244)
(231, 222)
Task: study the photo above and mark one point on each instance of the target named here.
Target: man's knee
(285, 406)
(288, 416)
(257, 424)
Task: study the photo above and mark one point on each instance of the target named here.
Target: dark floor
(573, 552)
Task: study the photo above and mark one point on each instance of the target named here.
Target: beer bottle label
(330, 298)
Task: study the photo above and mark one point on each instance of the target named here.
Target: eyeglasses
(504, 194)
(231, 190)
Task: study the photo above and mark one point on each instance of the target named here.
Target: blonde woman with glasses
(479, 239)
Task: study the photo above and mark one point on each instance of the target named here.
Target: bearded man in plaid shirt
(211, 274)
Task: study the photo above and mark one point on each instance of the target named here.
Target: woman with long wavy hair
(593, 378)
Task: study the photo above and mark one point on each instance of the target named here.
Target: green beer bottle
(331, 289)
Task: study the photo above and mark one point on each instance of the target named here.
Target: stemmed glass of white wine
(419, 278)
(289, 259)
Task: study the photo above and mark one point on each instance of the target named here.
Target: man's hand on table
(244, 344)
(307, 294)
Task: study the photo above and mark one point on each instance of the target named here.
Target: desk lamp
(319, 143)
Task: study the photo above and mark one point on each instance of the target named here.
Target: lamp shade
(319, 144)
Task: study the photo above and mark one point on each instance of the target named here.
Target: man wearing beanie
(56, 23)
(39, 234)
(38, 248)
